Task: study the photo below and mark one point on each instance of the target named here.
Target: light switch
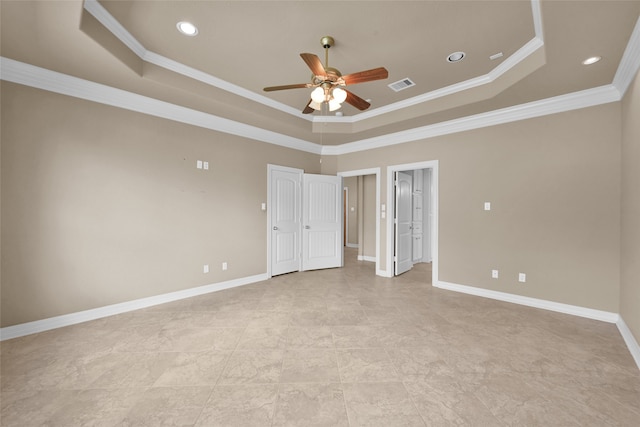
(383, 214)
(264, 206)
(199, 164)
(206, 166)
(383, 207)
(487, 206)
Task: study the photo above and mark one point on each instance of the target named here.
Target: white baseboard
(110, 310)
(366, 258)
(630, 340)
(589, 313)
(353, 245)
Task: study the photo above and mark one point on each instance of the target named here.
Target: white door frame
(433, 200)
(376, 172)
(271, 168)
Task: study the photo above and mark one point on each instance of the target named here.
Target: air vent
(402, 84)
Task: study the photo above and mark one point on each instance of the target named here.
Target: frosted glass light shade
(334, 105)
(339, 95)
(315, 105)
(317, 95)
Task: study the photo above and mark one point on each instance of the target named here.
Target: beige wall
(630, 261)
(102, 205)
(554, 185)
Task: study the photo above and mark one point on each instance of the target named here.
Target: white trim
(111, 24)
(41, 78)
(529, 48)
(353, 245)
(29, 75)
(433, 200)
(169, 64)
(630, 62)
(558, 104)
(124, 307)
(367, 258)
(588, 313)
(376, 172)
(630, 340)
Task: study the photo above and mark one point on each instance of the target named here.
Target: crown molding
(30, 75)
(111, 24)
(177, 67)
(106, 19)
(558, 104)
(630, 63)
(41, 78)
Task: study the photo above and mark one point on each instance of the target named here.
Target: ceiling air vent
(402, 84)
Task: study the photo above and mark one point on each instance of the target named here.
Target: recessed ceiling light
(187, 28)
(456, 56)
(591, 60)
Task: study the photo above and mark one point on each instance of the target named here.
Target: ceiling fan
(329, 84)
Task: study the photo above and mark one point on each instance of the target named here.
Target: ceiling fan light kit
(329, 84)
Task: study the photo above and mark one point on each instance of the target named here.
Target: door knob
(275, 228)
(307, 227)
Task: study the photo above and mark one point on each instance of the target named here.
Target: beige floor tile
(253, 367)
(443, 402)
(33, 407)
(366, 365)
(127, 370)
(309, 365)
(380, 404)
(168, 406)
(194, 369)
(415, 363)
(96, 407)
(310, 405)
(239, 405)
(309, 337)
(255, 338)
(365, 336)
(304, 349)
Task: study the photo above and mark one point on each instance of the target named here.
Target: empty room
(319, 213)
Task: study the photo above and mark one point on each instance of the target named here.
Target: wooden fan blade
(356, 101)
(296, 86)
(308, 109)
(366, 76)
(313, 62)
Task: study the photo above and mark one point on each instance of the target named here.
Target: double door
(305, 221)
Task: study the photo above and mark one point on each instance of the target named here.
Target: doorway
(363, 214)
(412, 226)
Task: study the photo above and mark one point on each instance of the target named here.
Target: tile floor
(338, 347)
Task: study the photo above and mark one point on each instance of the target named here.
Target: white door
(322, 222)
(285, 205)
(403, 216)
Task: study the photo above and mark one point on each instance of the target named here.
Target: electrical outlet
(199, 164)
(522, 277)
(205, 165)
(494, 274)
(205, 268)
(224, 266)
